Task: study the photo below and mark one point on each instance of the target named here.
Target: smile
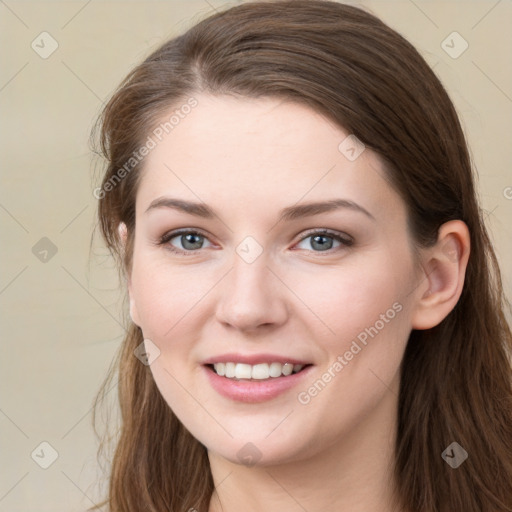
(260, 371)
(261, 382)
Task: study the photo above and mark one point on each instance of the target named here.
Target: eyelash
(344, 240)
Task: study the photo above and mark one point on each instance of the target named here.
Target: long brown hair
(348, 65)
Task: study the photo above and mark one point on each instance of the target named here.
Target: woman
(317, 314)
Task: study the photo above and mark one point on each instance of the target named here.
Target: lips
(256, 391)
(254, 378)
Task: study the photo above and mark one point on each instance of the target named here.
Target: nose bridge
(251, 295)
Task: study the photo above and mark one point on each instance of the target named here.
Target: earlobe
(444, 270)
(123, 232)
(133, 312)
(134, 315)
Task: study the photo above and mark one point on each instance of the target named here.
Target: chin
(253, 451)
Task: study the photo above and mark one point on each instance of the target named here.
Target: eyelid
(344, 237)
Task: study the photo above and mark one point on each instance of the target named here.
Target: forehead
(255, 152)
(252, 131)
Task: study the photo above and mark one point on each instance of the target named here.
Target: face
(254, 276)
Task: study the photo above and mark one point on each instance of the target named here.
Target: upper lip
(253, 359)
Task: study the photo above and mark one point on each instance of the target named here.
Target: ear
(123, 235)
(444, 268)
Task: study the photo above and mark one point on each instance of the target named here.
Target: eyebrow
(286, 214)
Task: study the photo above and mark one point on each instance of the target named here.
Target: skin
(247, 159)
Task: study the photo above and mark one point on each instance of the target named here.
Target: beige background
(61, 318)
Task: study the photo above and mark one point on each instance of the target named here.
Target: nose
(252, 297)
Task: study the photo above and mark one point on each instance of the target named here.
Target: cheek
(165, 295)
(350, 299)
(368, 322)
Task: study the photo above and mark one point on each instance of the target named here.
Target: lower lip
(253, 391)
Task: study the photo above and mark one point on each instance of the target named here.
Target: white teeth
(275, 369)
(243, 371)
(221, 369)
(258, 371)
(230, 369)
(287, 369)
